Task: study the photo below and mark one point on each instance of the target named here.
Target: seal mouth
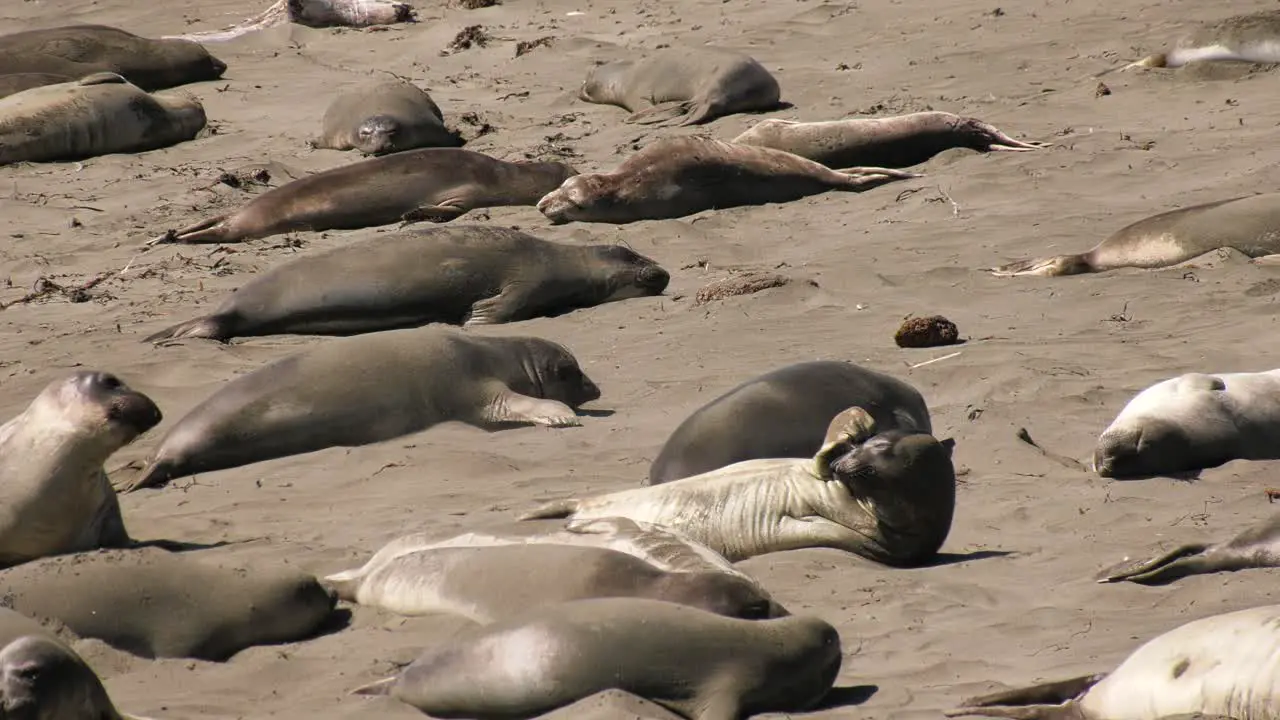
(134, 411)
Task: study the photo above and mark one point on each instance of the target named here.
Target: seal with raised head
(1256, 547)
(887, 496)
(699, 664)
(315, 14)
(693, 85)
(431, 184)
(1214, 666)
(43, 679)
(898, 142)
(385, 117)
(1193, 422)
(369, 388)
(79, 50)
(1249, 224)
(96, 115)
(17, 82)
(678, 176)
(785, 414)
(1253, 37)
(55, 497)
(459, 274)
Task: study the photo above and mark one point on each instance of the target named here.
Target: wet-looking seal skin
(1250, 225)
(1256, 547)
(1253, 37)
(16, 83)
(896, 142)
(1193, 422)
(385, 117)
(785, 414)
(427, 184)
(678, 176)
(369, 388)
(96, 115)
(887, 496)
(1222, 665)
(458, 274)
(43, 679)
(693, 85)
(54, 495)
(699, 664)
(316, 14)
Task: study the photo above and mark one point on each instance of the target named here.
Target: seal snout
(125, 406)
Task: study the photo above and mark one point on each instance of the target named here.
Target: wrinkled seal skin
(16, 83)
(365, 389)
(693, 85)
(1253, 37)
(96, 115)
(55, 497)
(1256, 547)
(784, 414)
(43, 679)
(385, 117)
(459, 274)
(696, 663)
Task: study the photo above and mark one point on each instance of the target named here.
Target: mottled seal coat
(897, 142)
(154, 603)
(316, 14)
(678, 176)
(54, 495)
(16, 83)
(1223, 665)
(1250, 225)
(95, 115)
(433, 184)
(385, 117)
(79, 50)
(1193, 422)
(1254, 37)
(1255, 547)
(693, 85)
(365, 389)
(887, 496)
(459, 274)
(699, 664)
(785, 414)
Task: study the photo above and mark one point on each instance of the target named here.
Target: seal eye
(109, 382)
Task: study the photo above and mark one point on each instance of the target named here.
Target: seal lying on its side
(887, 496)
(679, 176)
(16, 83)
(459, 274)
(315, 14)
(79, 50)
(702, 665)
(369, 388)
(385, 117)
(1193, 422)
(1254, 37)
(1256, 547)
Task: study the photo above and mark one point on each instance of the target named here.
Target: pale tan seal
(433, 184)
(680, 176)
(54, 495)
(79, 50)
(384, 117)
(369, 388)
(699, 664)
(315, 14)
(692, 84)
(1256, 547)
(887, 496)
(1253, 37)
(17, 82)
(1249, 224)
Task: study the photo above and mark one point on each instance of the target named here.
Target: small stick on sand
(937, 359)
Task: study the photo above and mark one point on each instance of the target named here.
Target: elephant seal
(79, 50)
(155, 604)
(1250, 225)
(393, 383)
(785, 414)
(1256, 547)
(1212, 666)
(16, 83)
(678, 176)
(433, 184)
(314, 14)
(693, 85)
(54, 495)
(887, 496)
(896, 142)
(693, 662)
(95, 115)
(385, 117)
(1254, 37)
(1193, 422)
(460, 274)
(43, 679)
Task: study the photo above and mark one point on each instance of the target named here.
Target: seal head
(127, 412)
(42, 680)
(565, 204)
(633, 275)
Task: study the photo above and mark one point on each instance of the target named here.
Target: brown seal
(385, 117)
(17, 82)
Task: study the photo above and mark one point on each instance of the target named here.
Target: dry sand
(1058, 356)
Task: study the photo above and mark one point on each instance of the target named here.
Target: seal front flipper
(432, 213)
(662, 112)
(494, 310)
(512, 407)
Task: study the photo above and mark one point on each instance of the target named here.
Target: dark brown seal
(17, 82)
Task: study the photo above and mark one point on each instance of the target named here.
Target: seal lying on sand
(679, 176)
(460, 274)
(1193, 422)
(699, 664)
(155, 603)
(785, 414)
(435, 184)
(896, 142)
(54, 495)
(365, 389)
(693, 85)
(316, 14)
(385, 117)
(1256, 547)
(95, 115)
(1215, 666)
(1250, 225)
(16, 83)
(79, 50)
(886, 496)
(1254, 37)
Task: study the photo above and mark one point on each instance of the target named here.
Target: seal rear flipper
(380, 687)
(212, 327)
(156, 474)
(661, 113)
(343, 584)
(205, 231)
(1052, 266)
(1045, 701)
(554, 509)
(1177, 563)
